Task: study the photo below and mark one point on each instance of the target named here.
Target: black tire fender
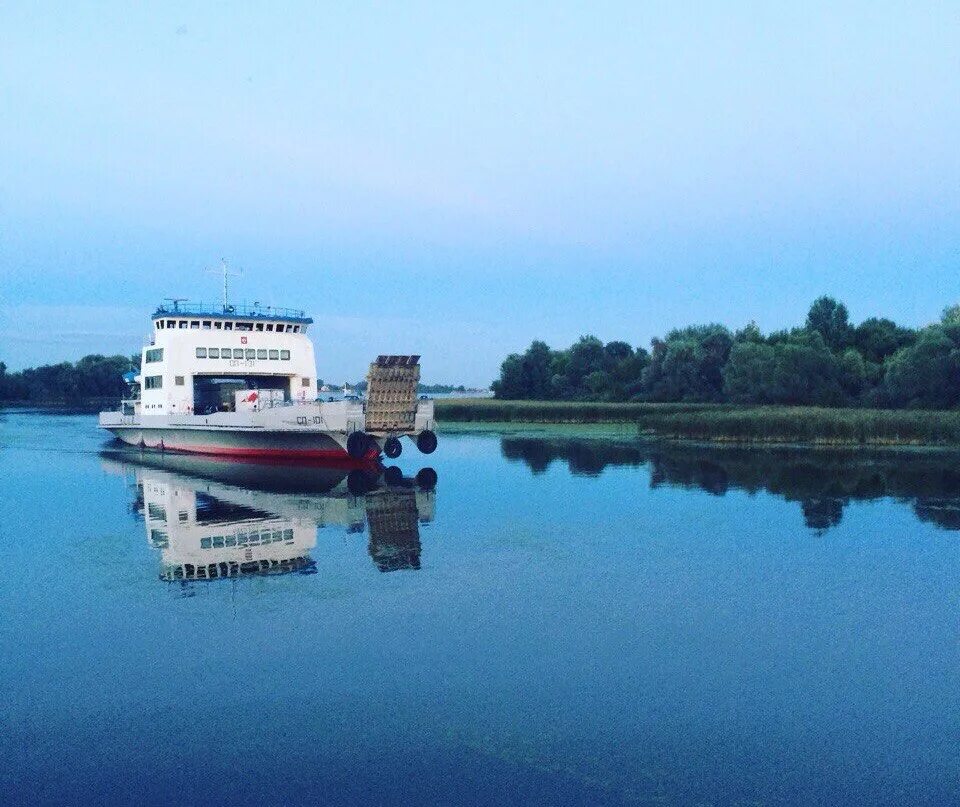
(358, 444)
(427, 441)
(392, 448)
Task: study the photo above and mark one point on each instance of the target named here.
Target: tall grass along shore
(726, 423)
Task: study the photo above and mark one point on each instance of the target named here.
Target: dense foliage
(827, 362)
(91, 377)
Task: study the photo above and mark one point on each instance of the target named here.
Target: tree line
(92, 376)
(827, 362)
(97, 376)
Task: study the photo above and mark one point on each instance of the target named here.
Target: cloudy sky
(456, 180)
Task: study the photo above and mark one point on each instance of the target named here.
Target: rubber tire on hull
(393, 475)
(360, 482)
(358, 444)
(392, 448)
(427, 442)
(427, 478)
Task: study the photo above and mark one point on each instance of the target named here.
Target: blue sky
(457, 180)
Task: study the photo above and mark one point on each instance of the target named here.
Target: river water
(556, 620)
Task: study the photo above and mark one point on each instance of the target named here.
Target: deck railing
(254, 311)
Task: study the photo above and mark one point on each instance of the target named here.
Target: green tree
(854, 374)
(748, 376)
(510, 384)
(877, 338)
(951, 315)
(831, 320)
(749, 333)
(925, 374)
(586, 356)
(688, 365)
(616, 352)
(799, 369)
(526, 375)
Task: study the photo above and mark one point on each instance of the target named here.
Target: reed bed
(726, 423)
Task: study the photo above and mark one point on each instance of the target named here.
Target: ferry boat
(241, 381)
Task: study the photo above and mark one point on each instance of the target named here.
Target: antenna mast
(227, 274)
(226, 281)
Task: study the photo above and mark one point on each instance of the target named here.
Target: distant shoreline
(724, 423)
(89, 406)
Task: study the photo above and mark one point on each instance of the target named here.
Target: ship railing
(254, 311)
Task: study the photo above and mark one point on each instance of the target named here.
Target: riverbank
(82, 406)
(703, 423)
(723, 423)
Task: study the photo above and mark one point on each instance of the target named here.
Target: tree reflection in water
(822, 481)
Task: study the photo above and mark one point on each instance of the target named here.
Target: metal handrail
(255, 311)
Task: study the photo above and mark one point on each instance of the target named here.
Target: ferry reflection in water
(213, 519)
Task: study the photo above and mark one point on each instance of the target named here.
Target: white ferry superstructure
(241, 381)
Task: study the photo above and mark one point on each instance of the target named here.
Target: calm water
(559, 621)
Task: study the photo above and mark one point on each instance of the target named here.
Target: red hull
(328, 456)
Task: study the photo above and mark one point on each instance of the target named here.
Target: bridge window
(206, 325)
(201, 353)
(285, 355)
(244, 326)
(269, 326)
(154, 355)
(218, 325)
(251, 353)
(238, 353)
(306, 382)
(183, 324)
(296, 329)
(195, 324)
(153, 382)
(159, 324)
(228, 326)
(274, 354)
(213, 352)
(261, 354)
(178, 380)
(259, 326)
(171, 323)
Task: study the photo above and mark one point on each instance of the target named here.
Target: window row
(206, 325)
(241, 353)
(245, 539)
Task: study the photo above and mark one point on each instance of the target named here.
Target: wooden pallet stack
(394, 531)
(392, 394)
